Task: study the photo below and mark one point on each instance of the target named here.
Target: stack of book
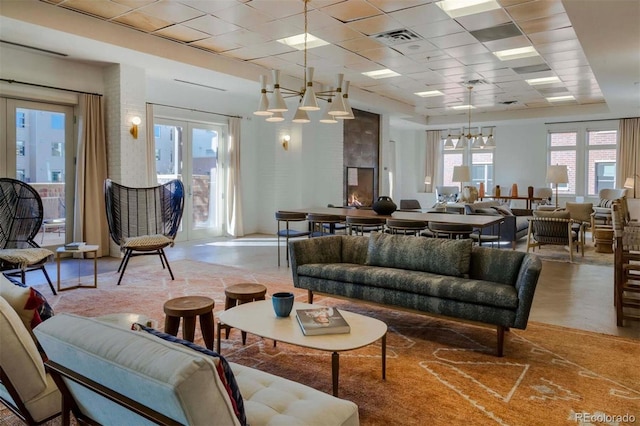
(74, 246)
(323, 320)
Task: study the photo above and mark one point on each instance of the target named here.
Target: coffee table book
(74, 245)
(320, 321)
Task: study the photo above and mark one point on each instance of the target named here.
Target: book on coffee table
(323, 320)
(74, 246)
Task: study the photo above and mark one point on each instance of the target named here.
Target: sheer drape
(234, 203)
(630, 153)
(90, 221)
(432, 158)
(152, 176)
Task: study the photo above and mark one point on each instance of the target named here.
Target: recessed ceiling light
(297, 41)
(542, 80)
(386, 73)
(463, 107)
(456, 8)
(561, 98)
(518, 53)
(429, 94)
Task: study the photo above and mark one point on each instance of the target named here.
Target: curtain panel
(234, 223)
(432, 159)
(630, 154)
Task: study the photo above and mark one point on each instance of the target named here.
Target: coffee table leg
(206, 325)
(384, 357)
(335, 371)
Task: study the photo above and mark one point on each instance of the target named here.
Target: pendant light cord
(306, 2)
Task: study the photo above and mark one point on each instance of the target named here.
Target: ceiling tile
(489, 19)
(242, 38)
(393, 5)
(181, 33)
(548, 23)
(337, 33)
(444, 63)
(102, 8)
(553, 36)
(453, 40)
(134, 4)
(142, 22)
(500, 32)
(535, 9)
(216, 44)
(243, 16)
(420, 15)
(360, 44)
(278, 9)
(211, 25)
(468, 49)
(508, 43)
(437, 29)
(414, 48)
(561, 46)
(375, 25)
(207, 6)
(171, 11)
(484, 58)
(380, 53)
(351, 10)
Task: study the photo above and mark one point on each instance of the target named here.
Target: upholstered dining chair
(553, 228)
(144, 221)
(21, 215)
(287, 232)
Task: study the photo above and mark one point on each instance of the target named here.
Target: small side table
(239, 294)
(83, 249)
(188, 308)
(604, 240)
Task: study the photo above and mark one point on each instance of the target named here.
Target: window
(589, 153)
(20, 175)
(56, 149)
(156, 131)
(20, 120)
(56, 176)
(480, 160)
(57, 121)
(20, 149)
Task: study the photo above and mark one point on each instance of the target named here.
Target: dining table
(475, 220)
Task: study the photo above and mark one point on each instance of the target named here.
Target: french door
(38, 148)
(190, 152)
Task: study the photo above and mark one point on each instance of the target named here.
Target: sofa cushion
(173, 380)
(405, 282)
(440, 256)
(504, 210)
(224, 371)
(560, 214)
(23, 365)
(30, 305)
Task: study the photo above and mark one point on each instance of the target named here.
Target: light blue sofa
(438, 276)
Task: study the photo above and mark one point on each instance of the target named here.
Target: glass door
(39, 148)
(189, 151)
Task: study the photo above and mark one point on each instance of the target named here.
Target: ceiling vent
(396, 37)
(508, 102)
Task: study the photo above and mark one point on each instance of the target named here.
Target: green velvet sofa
(438, 276)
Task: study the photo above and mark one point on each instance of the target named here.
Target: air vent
(474, 82)
(396, 37)
(508, 102)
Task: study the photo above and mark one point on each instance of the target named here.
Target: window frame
(467, 160)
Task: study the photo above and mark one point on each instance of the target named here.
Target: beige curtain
(152, 176)
(432, 158)
(234, 203)
(90, 220)
(630, 154)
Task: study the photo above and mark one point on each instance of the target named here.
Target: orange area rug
(439, 372)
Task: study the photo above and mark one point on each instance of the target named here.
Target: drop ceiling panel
(216, 44)
(553, 22)
(420, 15)
(211, 25)
(437, 29)
(351, 10)
(375, 24)
(101, 8)
(142, 22)
(488, 19)
(393, 5)
(535, 9)
(244, 16)
(171, 11)
(453, 40)
(182, 33)
(359, 44)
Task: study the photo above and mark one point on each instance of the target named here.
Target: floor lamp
(461, 174)
(556, 175)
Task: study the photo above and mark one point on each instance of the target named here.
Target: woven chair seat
(23, 258)
(147, 242)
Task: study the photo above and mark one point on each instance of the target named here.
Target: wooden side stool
(189, 307)
(239, 294)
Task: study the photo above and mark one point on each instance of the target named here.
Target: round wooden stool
(239, 294)
(189, 307)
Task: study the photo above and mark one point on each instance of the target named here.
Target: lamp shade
(629, 183)
(461, 174)
(557, 174)
(427, 180)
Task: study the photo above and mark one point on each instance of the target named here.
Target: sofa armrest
(314, 250)
(526, 287)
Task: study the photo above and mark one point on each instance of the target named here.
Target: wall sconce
(135, 121)
(285, 142)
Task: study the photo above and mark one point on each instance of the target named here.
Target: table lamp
(461, 174)
(629, 183)
(427, 184)
(556, 175)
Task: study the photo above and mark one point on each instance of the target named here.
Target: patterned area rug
(439, 372)
(561, 253)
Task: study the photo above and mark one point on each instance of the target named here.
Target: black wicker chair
(21, 215)
(144, 221)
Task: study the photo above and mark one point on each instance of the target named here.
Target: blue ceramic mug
(282, 303)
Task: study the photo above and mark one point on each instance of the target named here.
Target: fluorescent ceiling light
(386, 73)
(519, 53)
(429, 94)
(561, 98)
(543, 80)
(456, 8)
(463, 107)
(297, 41)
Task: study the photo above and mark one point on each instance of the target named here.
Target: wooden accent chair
(21, 216)
(626, 265)
(144, 221)
(555, 228)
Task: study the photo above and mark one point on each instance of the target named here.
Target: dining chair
(144, 221)
(405, 226)
(410, 205)
(626, 282)
(362, 225)
(321, 225)
(287, 218)
(21, 214)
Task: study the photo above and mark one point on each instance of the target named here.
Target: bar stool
(288, 233)
(239, 294)
(322, 224)
(188, 308)
(360, 225)
(450, 230)
(406, 226)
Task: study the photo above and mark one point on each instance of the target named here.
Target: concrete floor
(570, 295)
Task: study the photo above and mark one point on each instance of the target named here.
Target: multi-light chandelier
(338, 106)
(476, 140)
